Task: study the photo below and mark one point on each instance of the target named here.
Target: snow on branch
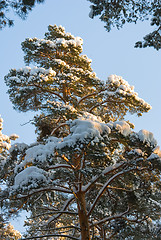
(44, 189)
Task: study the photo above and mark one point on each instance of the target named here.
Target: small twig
(26, 123)
(55, 129)
(67, 160)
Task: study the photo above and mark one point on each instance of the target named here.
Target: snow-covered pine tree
(89, 175)
(7, 232)
(5, 144)
(6, 229)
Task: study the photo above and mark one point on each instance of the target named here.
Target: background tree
(20, 7)
(8, 232)
(6, 229)
(115, 13)
(89, 174)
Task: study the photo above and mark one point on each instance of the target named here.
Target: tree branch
(67, 160)
(89, 95)
(104, 172)
(51, 235)
(106, 101)
(49, 91)
(61, 125)
(59, 166)
(66, 204)
(59, 189)
(101, 192)
(111, 218)
(55, 229)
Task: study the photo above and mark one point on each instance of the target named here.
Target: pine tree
(117, 13)
(89, 174)
(6, 230)
(20, 7)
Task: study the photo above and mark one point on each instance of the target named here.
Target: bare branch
(66, 204)
(59, 166)
(67, 160)
(55, 229)
(89, 95)
(123, 189)
(65, 212)
(105, 101)
(51, 235)
(104, 172)
(55, 129)
(101, 192)
(50, 188)
(49, 91)
(111, 218)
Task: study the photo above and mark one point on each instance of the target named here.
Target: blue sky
(111, 53)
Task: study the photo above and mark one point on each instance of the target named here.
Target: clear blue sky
(111, 53)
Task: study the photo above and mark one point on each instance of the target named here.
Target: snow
(13, 136)
(146, 136)
(122, 127)
(5, 141)
(62, 106)
(120, 86)
(30, 74)
(18, 147)
(40, 152)
(62, 42)
(155, 154)
(31, 173)
(35, 70)
(83, 130)
(136, 151)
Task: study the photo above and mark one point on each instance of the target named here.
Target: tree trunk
(83, 218)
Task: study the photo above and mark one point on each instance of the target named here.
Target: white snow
(75, 42)
(146, 136)
(41, 74)
(82, 130)
(18, 146)
(136, 151)
(118, 85)
(123, 127)
(155, 154)
(27, 174)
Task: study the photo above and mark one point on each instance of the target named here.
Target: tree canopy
(89, 175)
(20, 7)
(115, 13)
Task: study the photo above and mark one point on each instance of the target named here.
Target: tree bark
(83, 218)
